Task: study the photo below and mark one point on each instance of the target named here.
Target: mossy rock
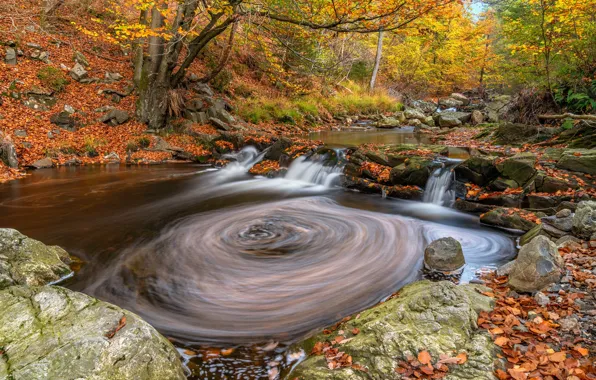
(579, 160)
(415, 171)
(520, 168)
(53, 333)
(438, 317)
(25, 261)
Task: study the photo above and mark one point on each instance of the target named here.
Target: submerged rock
(538, 265)
(25, 261)
(444, 255)
(54, 333)
(438, 317)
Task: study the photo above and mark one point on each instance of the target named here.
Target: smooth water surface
(353, 137)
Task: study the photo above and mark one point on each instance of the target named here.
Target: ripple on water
(268, 271)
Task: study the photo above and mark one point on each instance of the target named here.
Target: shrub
(132, 146)
(53, 78)
(143, 142)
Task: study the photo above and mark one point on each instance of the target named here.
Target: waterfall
(242, 162)
(438, 188)
(316, 170)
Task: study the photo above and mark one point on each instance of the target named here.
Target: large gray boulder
(510, 133)
(415, 171)
(53, 333)
(10, 58)
(438, 317)
(25, 261)
(538, 265)
(520, 168)
(460, 97)
(584, 220)
(444, 255)
(453, 119)
(115, 117)
(479, 170)
(412, 113)
(579, 160)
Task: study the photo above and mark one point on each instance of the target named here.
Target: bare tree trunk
(373, 79)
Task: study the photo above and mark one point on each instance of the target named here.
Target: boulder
(115, 117)
(113, 77)
(584, 220)
(195, 105)
(203, 89)
(388, 122)
(538, 265)
(520, 168)
(450, 103)
(54, 333)
(278, 149)
(64, 120)
(412, 113)
(78, 72)
(579, 160)
(10, 58)
(498, 107)
(477, 117)
(414, 171)
(460, 97)
(479, 170)
(219, 124)
(444, 255)
(548, 184)
(40, 55)
(25, 261)
(43, 163)
(414, 122)
(438, 317)
(510, 133)
(8, 152)
(507, 218)
(564, 224)
(452, 119)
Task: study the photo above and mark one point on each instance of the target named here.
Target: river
(218, 258)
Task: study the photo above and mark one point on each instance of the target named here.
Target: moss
(53, 78)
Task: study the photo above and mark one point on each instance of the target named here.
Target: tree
(169, 35)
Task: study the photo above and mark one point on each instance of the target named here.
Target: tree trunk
(373, 79)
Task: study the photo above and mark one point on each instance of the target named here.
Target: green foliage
(360, 71)
(53, 78)
(567, 124)
(577, 100)
(143, 142)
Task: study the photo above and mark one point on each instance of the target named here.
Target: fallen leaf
(557, 357)
(424, 357)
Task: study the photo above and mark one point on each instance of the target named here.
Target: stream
(218, 258)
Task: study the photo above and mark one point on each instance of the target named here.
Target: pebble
(563, 213)
(542, 299)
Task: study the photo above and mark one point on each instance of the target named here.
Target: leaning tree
(170, 34)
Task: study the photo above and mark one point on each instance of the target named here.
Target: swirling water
(219, 258)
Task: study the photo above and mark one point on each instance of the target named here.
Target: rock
(444, 255)
(68, 108)
(113, 77)
(278, 149)
(54, 333)
(547, 184)
(538, 230)
(438, 317)
(388, 122)
(564, 224)
(20, 133)
(569, 324)
(33, 45)
(584, 220)
(460, 97)
(503, 217)
(510, 133)
(203, 89)
(520, 168)
(430, 121)
(39, 55)
(10, 58)
(80, 58)
(479, 170)
(115, 117)
(450, 103)
(64, 120)
(498, 107)
(78, 72)
(452, 119)
(477, 117)
(564, 213)
(538, 265)
(568, 241)
(217, 123)
(414, 171)
(24, 261)
(193, 78)
(114, 157)
(8, 152)
(579, 160)
(44, 163)
(541, 299)
(505, 270)
(195, 105)
(412, 113)
(414, 122)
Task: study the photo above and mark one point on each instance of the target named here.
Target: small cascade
(317, 169)
(242, 161)
(438, 188)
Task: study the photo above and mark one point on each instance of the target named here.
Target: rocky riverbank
(49, 332)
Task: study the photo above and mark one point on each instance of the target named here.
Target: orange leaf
(583, 351)
(501, 341)
(424, 357)
(463, 357)
(557, 357)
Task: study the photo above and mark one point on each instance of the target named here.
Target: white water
(304, 170)
(438, 188)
